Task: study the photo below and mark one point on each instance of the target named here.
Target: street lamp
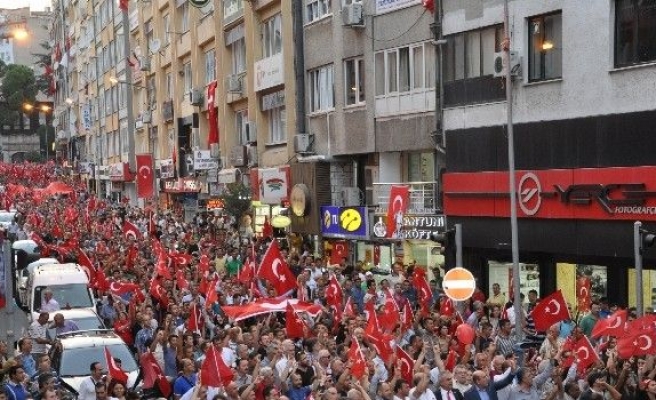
(45, 109)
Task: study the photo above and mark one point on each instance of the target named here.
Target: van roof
(59, 269)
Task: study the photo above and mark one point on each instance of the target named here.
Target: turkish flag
(424, 292)
(267, 306)
(550, 310)
(429, 5)
(275, 270)
(213, 134)
(145, 189)
(583, 290)
(214, 372)
(123, 5)
(211, 296)
(162, 270)
(391, 315)
(247, 272)
(637, 343)
(407, 364)
(180, 280)
(446, 307)
(645, 322)
(451, 360)
(611, 326)
(334, 292)
(159, 293)
(85, 262)
(193, 323)
(396, 209)
(131, 230)
(153, 375)
(294, 325)
(585, 353)
(407, 317)
(339, 251)
(118, 288)
(114, 371)
(380, 341)
(349, 308)
(100, 282)
(357, 358)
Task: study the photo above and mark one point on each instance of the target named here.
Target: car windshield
(74, 295)
(85, 324)
(76, 361)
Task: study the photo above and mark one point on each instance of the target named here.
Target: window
(124, 140)
(469, 54)
(186, 69)
(317, 9)
(122, 96)
(169, 85)
(184, 17)
(635, 32)
(404, 69)
(232, 7)
(151, 94)
(545, 47)
(272, 36)
(349, 2)
(354, 81)
(322, 90)
(277, 125)
(108, 102)
(148, 30)
(210, 66)
(166, 24)
(238, 54)
(241, 126)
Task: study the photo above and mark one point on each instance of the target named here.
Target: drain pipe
(299, 65)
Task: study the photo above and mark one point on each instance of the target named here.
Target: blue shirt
(483, 394)
(182, 384)
(170, 362)
(298, 393)
(29, 364)
(357, 294)
(15, 392)
(142, 336)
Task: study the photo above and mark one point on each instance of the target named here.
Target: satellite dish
(55, 121)
(155, 45)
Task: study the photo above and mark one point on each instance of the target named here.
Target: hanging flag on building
(145, 176)
(213, 135)
(396, 209)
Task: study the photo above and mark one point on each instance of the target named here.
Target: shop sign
(383, 6)
(413, 226)
(213, 175)
(85, 168)
(344, 222)
(204, 161)
(119, 172)
(273, 184)
(166, 169)
(269, 72)
(86, 117)
(621, 193)
(182, 185)
(300, 200)
(214, 203)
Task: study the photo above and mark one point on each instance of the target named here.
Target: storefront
(102, 181)
(576, 205)
(270, 190)
(182, 195)
(342, 228)
(119, 176)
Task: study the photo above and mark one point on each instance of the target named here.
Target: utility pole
(517, 305)
(128, 102)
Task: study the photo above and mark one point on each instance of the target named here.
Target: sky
(35, 5)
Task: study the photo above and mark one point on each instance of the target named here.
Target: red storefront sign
(621, 193)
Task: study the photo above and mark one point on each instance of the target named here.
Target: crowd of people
(184, 276)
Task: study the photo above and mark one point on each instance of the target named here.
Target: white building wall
(590, 83)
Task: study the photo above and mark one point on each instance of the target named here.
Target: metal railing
(422, 197)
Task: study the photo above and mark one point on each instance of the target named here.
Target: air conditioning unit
(252, 156)
(146, 117)
(500, 64)
(303, 143)
(145, 64)
(195, 97)
(351, 197)
(234, 84)
(239, 156)
(352, 15)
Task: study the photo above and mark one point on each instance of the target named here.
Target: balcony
(422, 197)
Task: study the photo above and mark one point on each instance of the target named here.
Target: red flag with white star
(274, 269)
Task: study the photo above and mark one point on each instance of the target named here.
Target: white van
(69, 284)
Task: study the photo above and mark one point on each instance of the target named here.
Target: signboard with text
(413, 227)
(204, 161)
(383, 6)
(344, 222)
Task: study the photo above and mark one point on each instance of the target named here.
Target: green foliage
(18, 87)
(236, 200)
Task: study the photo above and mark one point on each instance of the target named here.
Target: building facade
(583, 141)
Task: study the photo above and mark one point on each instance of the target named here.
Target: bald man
(484, 388)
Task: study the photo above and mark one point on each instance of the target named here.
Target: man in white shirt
(88, 386)
(38, 331)
(49, 303)
(421, 391)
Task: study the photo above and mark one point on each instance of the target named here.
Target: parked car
(75, 351)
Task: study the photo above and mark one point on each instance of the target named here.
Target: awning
(229, 175)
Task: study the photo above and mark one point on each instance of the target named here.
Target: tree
(18, 87)
(44, 61)
(236, 200)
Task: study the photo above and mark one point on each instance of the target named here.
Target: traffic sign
(459, 284)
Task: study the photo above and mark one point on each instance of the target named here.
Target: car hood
(75, 382)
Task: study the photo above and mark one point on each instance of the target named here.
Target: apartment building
(582, 110)
(175, 53)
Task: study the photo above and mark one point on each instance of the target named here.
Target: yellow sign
(300, 200)
(350, 219)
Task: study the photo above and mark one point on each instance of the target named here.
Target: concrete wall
(590, 83)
